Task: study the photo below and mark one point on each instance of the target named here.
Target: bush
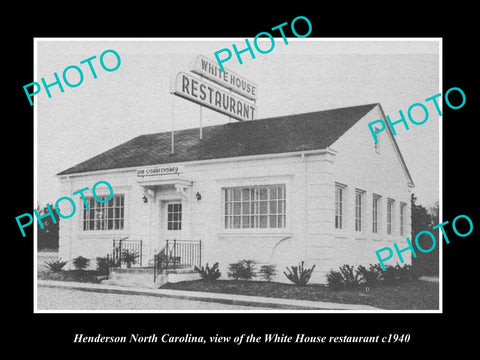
(103, 265)
(346, 278)
(396, 274)
(370, 276)
(299, 275)
(207, 273)
(55, 265)
(349, 278)
(335, 280)
(81, 263)
(267, 272)
(129, 257)
(243, 269)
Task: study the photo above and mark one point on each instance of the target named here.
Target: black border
(56, 331)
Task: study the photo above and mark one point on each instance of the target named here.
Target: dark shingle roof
(308, 131)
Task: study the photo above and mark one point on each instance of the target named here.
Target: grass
(414, 295)
(88, 276)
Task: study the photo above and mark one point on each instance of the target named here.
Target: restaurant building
(310, 187)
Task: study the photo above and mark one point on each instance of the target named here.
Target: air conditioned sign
(213, 97)
(210, 70)
(165, 170)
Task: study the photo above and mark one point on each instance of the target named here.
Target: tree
(47, 238)
(425, 220)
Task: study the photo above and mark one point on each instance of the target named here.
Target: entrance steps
(143, 277)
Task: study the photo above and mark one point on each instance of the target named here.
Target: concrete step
(143, 277)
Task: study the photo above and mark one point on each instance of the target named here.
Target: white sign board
(158, 170)
(210, 69)
(201, 92)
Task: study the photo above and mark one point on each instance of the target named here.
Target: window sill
(100, 234)
(252, 234)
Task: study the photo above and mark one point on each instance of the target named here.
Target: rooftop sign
(210, 70)
(203, 93)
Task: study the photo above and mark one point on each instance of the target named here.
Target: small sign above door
(154, 171)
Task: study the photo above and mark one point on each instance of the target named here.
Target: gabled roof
(291, 133)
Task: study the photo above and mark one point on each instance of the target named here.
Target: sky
(309, 74)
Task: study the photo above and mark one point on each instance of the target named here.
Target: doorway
(173, 220)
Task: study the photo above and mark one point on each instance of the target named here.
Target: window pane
(273, 221)
(245, 194)
(245, 208)
(273, 207)
(236, 222)
(273, 192)
(236, 208)
(263, 193)
(245, 221)
(263, 221)
(263, 207)
(110, 224)
(236, 194)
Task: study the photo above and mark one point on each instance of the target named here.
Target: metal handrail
(177, 253)
(120, 245)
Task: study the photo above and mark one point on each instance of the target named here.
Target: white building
(309, 187)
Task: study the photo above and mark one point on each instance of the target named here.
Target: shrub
(81, 263)
(55, 265)
(370, 276)
(346, 278)
(299, 275)
(267, 272)
(351, 277)
(103, 265)
(243, 269)
(209, 273)
(129, 257)
(335, 280)
(396, 274)
(389, 275)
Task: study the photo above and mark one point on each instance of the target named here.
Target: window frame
(390, 216)
(359, 223)
(403, 207)
(376, 213)
(340, 225)
(96, 206)
(251, 208)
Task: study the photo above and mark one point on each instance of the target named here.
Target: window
(104, 216)
(174, 216)
(339, 205)
(359, 194)
(390, 203)
(375, 214)
(255, 207)
(403, 206)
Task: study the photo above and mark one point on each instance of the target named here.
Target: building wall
(357, 165)
(310, 232)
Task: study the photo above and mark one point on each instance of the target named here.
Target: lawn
(413, 295)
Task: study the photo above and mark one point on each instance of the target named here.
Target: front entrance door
(173, 217)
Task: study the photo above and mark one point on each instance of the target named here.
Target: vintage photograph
(294, 180)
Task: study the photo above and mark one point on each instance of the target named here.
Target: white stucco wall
(357, 165)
